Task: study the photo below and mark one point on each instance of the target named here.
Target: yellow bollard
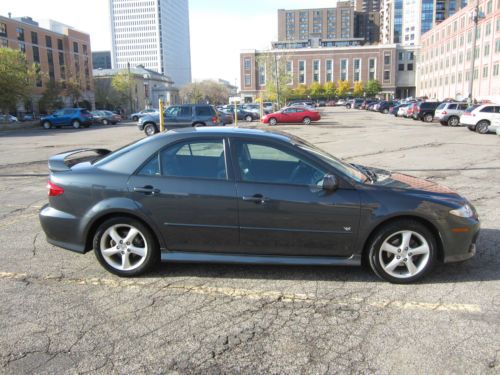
(162, 120)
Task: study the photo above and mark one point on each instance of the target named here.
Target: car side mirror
(330, 183)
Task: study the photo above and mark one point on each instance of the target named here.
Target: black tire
(273, 121)
(391, 230)
(248, 118)
(150, 129)
(135, 118)
(482, 127)
(198, 125)
(75, 124)
(151, 257)
(428, 117)
(348, 106)
(385, 111)
(47, 125)
(105, 122)
(306, 121)
(453, 121)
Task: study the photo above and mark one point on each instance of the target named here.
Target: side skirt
(198, 257)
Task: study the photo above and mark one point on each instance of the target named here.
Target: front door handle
(257, 198)
(149, 190)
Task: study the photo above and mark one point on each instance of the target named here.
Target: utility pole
(129, 87)
(277, 80)
(475, 20)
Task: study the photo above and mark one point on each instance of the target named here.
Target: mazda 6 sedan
(232, 195)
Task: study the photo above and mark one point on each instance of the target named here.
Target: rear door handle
(149, 190)
(257, 198)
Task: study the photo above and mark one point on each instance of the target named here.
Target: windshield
(338, 164)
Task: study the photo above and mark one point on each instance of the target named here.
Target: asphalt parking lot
(62, 313)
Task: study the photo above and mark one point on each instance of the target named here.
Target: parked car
(366, 103)
(225, 117)
(371, 106)
(385, 106)
(341, 102)
(28, 117)
(249, 196)
(248, 116)
(354, 103)
(395, 109)
(136, 116)
(449, 113)
(331, 103)
(75, 117)
(304, 105)
(403, 110)
(424, 111)
(411, 109)
(180, 116)
(482, 118)
(8, 119)
(292, 115)
(106, 117)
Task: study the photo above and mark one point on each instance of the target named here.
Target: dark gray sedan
(248, 196)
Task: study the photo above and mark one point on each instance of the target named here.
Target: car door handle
(146, 190)
(257, 198)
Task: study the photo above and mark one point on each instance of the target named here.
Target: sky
(219, 29)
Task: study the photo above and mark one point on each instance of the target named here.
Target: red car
(292, 115)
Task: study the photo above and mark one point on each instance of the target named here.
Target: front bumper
(61, 229)
(459, 237)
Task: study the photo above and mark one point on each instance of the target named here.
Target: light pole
(277, 79)
(475, 19)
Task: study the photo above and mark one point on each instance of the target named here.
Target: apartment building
(152, 33)
(444, 69)
(59, 52)
(327, 64)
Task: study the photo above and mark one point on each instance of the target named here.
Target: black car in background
(248, 196)
(180, 116)
(424, 111)
(248, 116)
(385, 106)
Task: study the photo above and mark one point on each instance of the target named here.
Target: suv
(74, 117)
(425, 111)
(136, 116)
(449, 113)
(180, 116)
(482, 118)
(354, 103)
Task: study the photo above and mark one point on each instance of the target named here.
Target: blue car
(75, 117)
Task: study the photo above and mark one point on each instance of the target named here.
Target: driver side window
(263, 163)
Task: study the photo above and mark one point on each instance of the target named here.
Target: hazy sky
(219, 28)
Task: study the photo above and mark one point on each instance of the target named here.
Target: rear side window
(489, 109)
(441, 106)
(195, 159)
(205, 111)
(462, 107)
(68, 111)
(452, 106)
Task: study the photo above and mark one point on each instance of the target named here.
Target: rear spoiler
(59, 162)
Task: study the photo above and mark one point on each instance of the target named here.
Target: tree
(123, 83)
(73, 91)
(105, 95)
(358, 89)
(316, 90)
(278, 78)
(373, 87)
(205, 91)
(51, 97)
(329, 89)
(342, 88)
(301, 92)
(16, 78)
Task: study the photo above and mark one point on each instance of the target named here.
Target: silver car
(449, 113)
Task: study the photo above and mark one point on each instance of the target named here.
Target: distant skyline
(219, 29)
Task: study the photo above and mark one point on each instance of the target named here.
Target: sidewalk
(20, 125)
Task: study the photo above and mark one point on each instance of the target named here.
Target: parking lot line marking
(247, 293)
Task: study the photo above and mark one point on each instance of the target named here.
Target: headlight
(464, 211)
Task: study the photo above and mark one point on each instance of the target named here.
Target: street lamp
(475, 19)
(277, 79)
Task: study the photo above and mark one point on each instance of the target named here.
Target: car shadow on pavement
(485, 266)
(63, 130)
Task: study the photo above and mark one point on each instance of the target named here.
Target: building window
(401, 67)
(329, 70)
(36, 54)
(487, 29)
(22, 47)
(387, 75)
(247, 63)
(400, 56)
(248, 80)
(48, 41)
(485, 71)
(289, 72)
(497, 45)
(411, 56)
(486, 50)
(387, 59)
(85, 50)
(20, 34)
(302, 72)
(356, 70)
(60, 44)
(343, 69)
(371, 69)
(262, 75)
(495, 69)
(3, 29)
(61, 58)
(4, 43)
(316, 66)
(34, 38)
(75, 47)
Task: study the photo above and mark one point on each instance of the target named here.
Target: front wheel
(306, 121)
(402, 252)
(273, 121)
(46, 125)
(135, 118)
(428, 117)
(482, 127)
(125, 247)
(105, 122)
(385, 111)
(248, 118)
(150, 129)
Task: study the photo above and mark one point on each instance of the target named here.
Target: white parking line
(247, 293)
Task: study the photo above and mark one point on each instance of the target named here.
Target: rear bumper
(61, 229)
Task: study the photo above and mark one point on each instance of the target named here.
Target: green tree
(329, 89)
(73, 91)
(105, 95)
(301, 92)
(342, 88)
(373, 87)
(123, 84)
(316, 90)
(278, 78)
(16, 78)
(206, 91)
(358, 89)
(51, 97)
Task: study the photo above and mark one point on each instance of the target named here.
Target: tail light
(444, 113)
(214, 119)
(54, 190)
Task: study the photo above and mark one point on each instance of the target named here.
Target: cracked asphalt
(61, 313)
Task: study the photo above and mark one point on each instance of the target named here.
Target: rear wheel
(385, 111)
(105, 122)
(76, 124)
(453, 121)
(482, 127)
(306, 121)
(248, 118)
(125, 246)
(428, 117)
(135, 118)
(150, 129)
(46, 125)
(273, 121)
(198, 124)
(402, 252)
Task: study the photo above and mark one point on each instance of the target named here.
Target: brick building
(59, 52)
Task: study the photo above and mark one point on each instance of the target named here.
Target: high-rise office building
(152, 33)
